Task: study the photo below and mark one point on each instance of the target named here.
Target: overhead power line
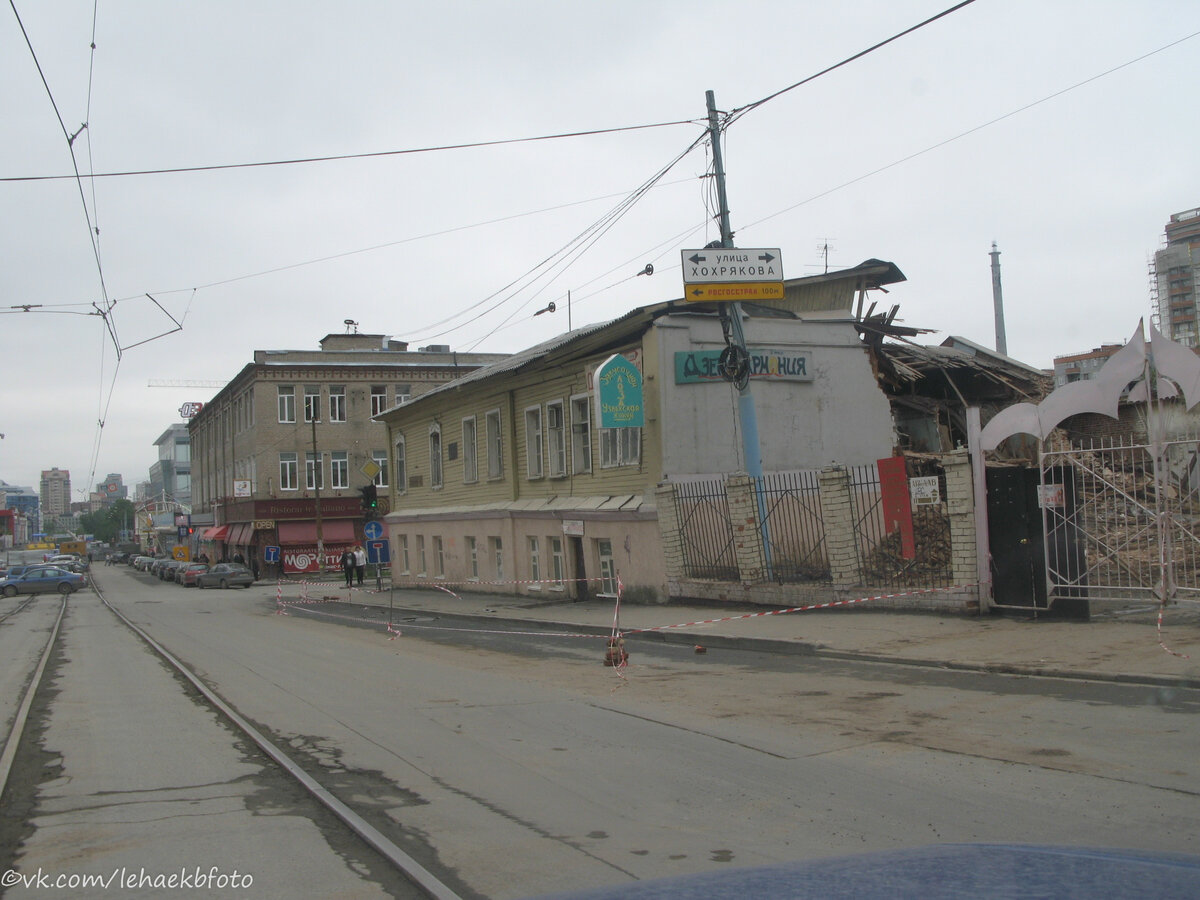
(347, 156)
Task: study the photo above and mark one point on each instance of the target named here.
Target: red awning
(335, 531)
(216, 533)
(239, 534)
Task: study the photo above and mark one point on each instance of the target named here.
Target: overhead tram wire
(78, 177)
(350, 156)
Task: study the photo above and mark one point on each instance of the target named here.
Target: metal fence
(1122, 524)
(795, 528)
(705, 531)
(881, 558)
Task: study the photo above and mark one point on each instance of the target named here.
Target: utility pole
(731, 313)
(731, 324)
(317, 470)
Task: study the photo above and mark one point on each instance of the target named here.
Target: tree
(107, 524)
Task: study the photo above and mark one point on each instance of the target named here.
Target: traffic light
(370, 497)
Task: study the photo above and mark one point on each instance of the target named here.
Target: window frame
(337, 403)
(378, 398)
(400, 464)
(286, 404)
(436, 470)
(289, 471)
(556, 440)
(494, 439)
(581, 434)
(535, 562)
(558, 563)
(607, 567)
(339, 470)
(314, 471)
(620, 447)
(380, 458)
(312, 403)
(534, 459)
(470, 450)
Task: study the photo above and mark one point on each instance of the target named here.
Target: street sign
(373, 530)
(728, 265)
(379, 553)
(271, 554)
(733, 293)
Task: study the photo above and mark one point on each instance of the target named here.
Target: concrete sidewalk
(1120, 644)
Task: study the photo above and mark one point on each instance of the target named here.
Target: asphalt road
(516, 765)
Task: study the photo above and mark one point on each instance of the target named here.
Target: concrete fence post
(837, 513)
(747, 535)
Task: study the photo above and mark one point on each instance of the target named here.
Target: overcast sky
(898, 156)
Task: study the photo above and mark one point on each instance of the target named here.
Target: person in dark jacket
(348, 566)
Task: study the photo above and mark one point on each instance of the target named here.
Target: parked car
(69, 559)
(155, 567)
(188, 574)
(225, 575)
(140, 562)
(167, 570)
(42, 580)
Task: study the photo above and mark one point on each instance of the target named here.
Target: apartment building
(280, 455)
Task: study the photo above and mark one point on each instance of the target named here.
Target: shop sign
(700, 366)
(619, 402)
(304, 558)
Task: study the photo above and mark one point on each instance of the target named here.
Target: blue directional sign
(271, 554)
(373, 530)
(379, 553)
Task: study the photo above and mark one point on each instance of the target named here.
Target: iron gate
(1122, 521)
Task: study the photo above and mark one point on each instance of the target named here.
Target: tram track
(401, 862)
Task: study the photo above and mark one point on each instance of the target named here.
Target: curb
(801, 648)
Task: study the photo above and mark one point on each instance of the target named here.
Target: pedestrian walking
(360, 562)
(348, 567)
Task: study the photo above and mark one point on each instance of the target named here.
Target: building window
(608, 568)
(581, 435)
(312, 403)
(421, 555)
(313, 476)
(556, 439)
(401, 467)
(402, 542)
(533, 442)
(620, 447)
(472, 557)
(469, 454)
(379, 457)
(337, 403)
(557, 563)
(495, 445)
(287, 472)
(435, 457)
(535, 564)
(378, 398)
(403, 393)
(439, 561)
(497, 556)
(339, 470)
(287, 404)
